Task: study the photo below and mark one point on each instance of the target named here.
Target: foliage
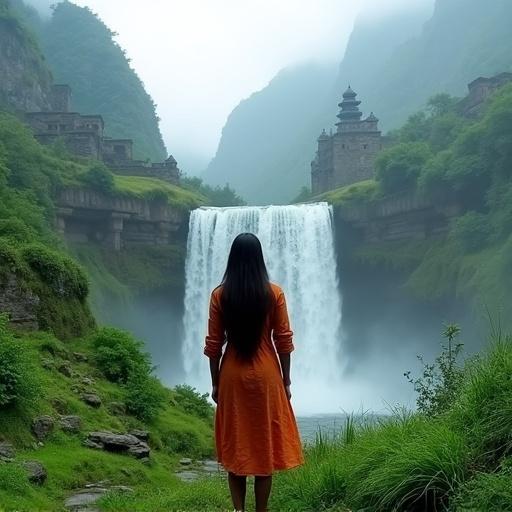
(471, 231)
(357, 193)
(101, 77)
(145, 396)
(398, 167)
(99, 178)
(119, 355)
(18, 385)
(193, 402)
(440, 382)
(215, 196)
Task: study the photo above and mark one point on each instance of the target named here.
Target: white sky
(199, 58)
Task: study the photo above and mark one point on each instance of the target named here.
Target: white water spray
(299, 252)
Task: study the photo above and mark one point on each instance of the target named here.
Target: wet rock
(7, 451)
(42, 426)
(91, 399)
(66, 369)
(111, 442)
(188, 476)
(37, 473)
(70, 423)
(143, 435)
(85, 499)
(185, 461)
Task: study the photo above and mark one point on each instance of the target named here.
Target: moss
(360, 192)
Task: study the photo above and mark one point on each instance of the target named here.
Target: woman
(255, 429)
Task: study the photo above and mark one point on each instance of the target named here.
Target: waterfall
(298, 247)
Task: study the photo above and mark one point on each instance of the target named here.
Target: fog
(199, 59)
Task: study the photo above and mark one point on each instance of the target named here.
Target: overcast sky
(200, 58)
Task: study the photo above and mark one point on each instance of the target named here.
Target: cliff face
(25, 79)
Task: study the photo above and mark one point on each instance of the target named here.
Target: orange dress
(255, 428)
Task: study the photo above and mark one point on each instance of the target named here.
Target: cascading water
(299, 252)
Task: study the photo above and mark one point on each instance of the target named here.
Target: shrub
(16, 230)
(471, 231)
(62, 274)
(119, 355)
(440, 382)
(193, 402)
(18, 384)
(99, 178)
(145, 396)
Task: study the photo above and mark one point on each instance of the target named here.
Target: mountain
(394, 63)
(81, 52)
(26, 80)
(256, 154)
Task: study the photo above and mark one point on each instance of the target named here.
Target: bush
(471, 231)
(62, 274)
(16, 230)
(119, 355)
(99, 178)
(18, 384)
(193, 402)
(145, 396)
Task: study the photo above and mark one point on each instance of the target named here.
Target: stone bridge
(84, 215)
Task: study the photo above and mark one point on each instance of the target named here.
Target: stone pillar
(115, 228)
(60, 221)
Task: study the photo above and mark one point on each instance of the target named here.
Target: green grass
(360, 192)
(70, 465)
(148, 188)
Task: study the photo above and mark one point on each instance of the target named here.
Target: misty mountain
(257, 152)
(394, 64)
(81, 52)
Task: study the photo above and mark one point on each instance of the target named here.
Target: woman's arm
(214, 372)
(285, 360)
(214, 341)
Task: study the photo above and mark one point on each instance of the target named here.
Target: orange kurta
(255, 428)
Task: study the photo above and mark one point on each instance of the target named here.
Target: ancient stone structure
(87, 216)
(479, 90)
(348, 155)
(84, 136)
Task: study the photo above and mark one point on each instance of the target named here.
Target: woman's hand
(215, 393)
(288, 392)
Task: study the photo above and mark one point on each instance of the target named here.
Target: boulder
(37, 473)
(81, 358)
(70, 423)
(83, 500)
(143, 435)
(111, 442)
(7, 451)
(66, 369)
(60, 405)
(185, 461)
(42, 426)
(87, 381)
(91, 399)
(117, 408)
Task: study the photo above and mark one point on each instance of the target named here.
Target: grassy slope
(70, 464)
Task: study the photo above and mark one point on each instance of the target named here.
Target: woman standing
(255, 429)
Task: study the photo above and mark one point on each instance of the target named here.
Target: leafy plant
(439, 383)
(18, 384)
(99, 178)
(193, 402)
(145, 396)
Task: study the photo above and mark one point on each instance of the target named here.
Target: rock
(65, 369)
(7, 451)
(111, 442)
(81, 358)
(143, 435)
(87, 381)
(70, 423)
(42, 426)
(37, 473)
(187, 476)
(117, 408)
(185, 461)
(91, 399)
(47, 363)
(211, 466)
(85, 499)
(60, 405)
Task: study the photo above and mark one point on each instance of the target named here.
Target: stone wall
(404, 216)
(19, 304)
(87, 216)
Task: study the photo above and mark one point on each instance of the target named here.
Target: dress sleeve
(281, 331)
(216, 336)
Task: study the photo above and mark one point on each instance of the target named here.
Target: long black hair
(246, 295)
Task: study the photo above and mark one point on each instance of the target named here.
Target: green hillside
(81, 52)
